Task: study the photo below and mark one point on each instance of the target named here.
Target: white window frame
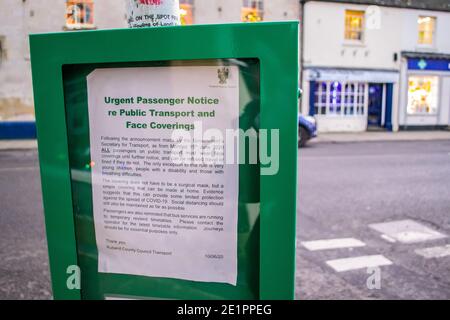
(78, 25)
(248, 4)
(363, 27)
(433, 32)
(357, 108)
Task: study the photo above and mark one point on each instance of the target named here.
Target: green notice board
(118, 205)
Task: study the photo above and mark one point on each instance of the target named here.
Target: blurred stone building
(382, 64)
(18, 18)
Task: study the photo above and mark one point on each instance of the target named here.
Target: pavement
(372, 222)
(383, 136)
(18, 144)
(322, 138)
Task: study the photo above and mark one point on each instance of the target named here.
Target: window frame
(433, 31)
(348, 30)
(189, 6)
(252, 6)
(80, 25)
(352, 103)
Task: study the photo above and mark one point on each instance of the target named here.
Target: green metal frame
(275, 45)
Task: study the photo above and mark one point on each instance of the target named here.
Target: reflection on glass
(98, 285)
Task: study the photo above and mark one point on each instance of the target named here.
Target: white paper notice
(155, 216)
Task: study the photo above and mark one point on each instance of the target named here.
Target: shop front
(425, 91)
(350, 100)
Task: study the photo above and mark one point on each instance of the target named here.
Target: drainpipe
(302, 35)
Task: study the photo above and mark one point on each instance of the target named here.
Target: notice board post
(168, 160)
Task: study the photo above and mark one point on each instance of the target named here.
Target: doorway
(375, 108)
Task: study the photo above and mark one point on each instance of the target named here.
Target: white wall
(229, 11)
(276, 10)
(217, 11)
(325, 44)
(110, 14)
(409, 37)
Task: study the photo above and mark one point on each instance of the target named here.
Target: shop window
(360, 98)
(354, 25)
(186, 12)
(320, 96)
(349, 99)
(422, 95)
(427, 27)
(79, 14)
(333, 98)
(252, 11)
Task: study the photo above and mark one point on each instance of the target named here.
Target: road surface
(346, 191)
(343, 189)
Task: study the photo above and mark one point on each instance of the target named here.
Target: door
(375, 104)
(445, 104)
